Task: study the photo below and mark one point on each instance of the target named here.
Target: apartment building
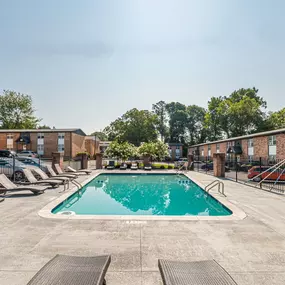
(175, 150)
(268, 145)
(45, 141)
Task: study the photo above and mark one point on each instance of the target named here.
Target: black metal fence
(261, 173)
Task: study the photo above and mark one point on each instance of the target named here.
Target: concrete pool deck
(252, 250)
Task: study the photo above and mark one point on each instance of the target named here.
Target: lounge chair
(33, 180)
(147, 166)
(10, 186)
(44, 176)
(134, 166)
(53, 174)
(111, 165)
(60, 172)
(123, 166)
(194, 273)
(73, 270)
(81, 170)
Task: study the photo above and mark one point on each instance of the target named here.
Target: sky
(87, 62)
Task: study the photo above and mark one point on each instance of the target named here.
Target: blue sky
(87, 62)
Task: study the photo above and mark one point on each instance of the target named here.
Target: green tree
(177, 121)
(100, 135)
(195, 124)
(44, 127)
(160, 110)
(121, 150)
(239, 114)
(16, 111)
(276, 120)
(135, 126)
(156, 150)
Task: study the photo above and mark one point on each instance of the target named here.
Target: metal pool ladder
(214, 183)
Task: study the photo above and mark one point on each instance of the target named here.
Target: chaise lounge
(73, 270)
(194, 273)
(81, 170)
(33, 180)
(60, 172)
(11, 187)
(111, 165)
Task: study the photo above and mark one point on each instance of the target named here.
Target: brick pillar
(190, 161)
(146, 159)
(84, 161)
(99, 160)
(219, 164)
(57, 158)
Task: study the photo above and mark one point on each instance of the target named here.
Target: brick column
(84, 161)
(190, 161)
(99, 160)
(146, 159)
(219, 164)
(57, 158)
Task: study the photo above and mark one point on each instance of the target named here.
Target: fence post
(236, 168)
(14, 167)
(260, 170)
(206, 164)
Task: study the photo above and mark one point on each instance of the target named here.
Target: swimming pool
(142, 194)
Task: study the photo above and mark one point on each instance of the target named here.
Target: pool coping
(46, 211)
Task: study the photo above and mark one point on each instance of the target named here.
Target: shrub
(170, 166)
(162, 167)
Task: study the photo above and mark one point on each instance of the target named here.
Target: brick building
(267, 145)
(45, 141)
(175, 150)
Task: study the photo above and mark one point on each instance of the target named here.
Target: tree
(135, 126)
(160, 110)
(177, 121)
(100, 135)
(195, 124)
(16, 111)
(44, 127)
(215, 120)
(121, 150)
(276, 120)
(155, 150)
(239, 114)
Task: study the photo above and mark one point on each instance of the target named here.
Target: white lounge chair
(53, 174)
(147, 167)
(134, 166)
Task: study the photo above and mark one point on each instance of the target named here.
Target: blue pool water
(142, 194)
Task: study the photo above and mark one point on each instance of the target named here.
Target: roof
(175, 144)
(69, 130)
(267, 133)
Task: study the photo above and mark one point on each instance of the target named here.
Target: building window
(202, 152)
(40, 135)
(250, 143)
(218, 147)
(272, 140)
(40, 149)
(250, 158)
(61, 148)
(61, 135)
(209, 150)
(10, 141)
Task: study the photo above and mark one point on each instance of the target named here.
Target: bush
(170, 166)
(162, 167)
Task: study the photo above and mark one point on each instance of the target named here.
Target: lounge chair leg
(104, 282)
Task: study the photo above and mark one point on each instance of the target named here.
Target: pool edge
(46, 211)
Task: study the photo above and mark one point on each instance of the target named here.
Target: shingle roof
(68, 130)
(267, 133)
